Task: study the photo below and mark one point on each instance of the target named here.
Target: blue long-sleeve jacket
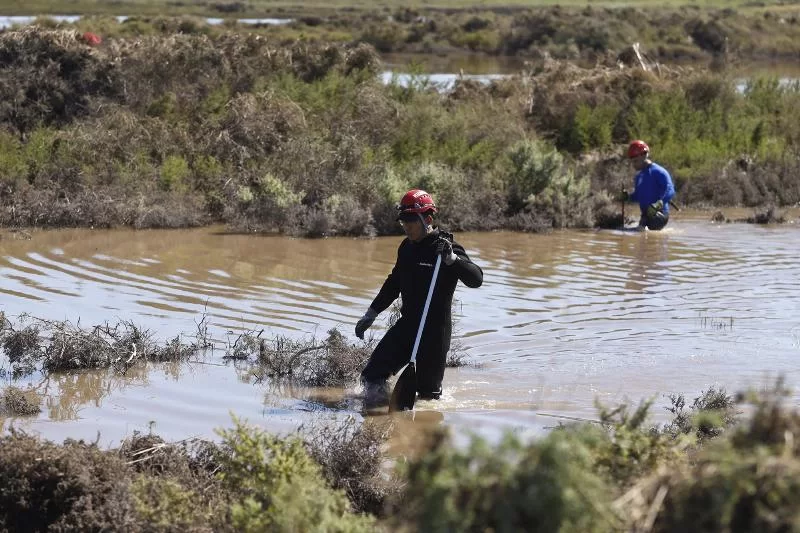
(652, 184)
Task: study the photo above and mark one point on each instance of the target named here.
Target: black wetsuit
(411, 278)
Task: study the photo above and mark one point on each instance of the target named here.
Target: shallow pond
(562, 320)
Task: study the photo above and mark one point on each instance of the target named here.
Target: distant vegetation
(179, 129)
(589, 33)
(316, 7)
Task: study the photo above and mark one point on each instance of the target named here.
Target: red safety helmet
(417, 201)
(92, 39)
(637, 148)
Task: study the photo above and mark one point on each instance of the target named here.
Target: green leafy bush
(533, 167)
(174, 173)
(280, 487)
(544, 486)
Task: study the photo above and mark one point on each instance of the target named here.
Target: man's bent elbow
(474, 283)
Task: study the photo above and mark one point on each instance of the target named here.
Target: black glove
(365, 322)
(444, 247)
(623, 196)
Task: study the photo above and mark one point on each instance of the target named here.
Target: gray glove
(365, 322)
(654, 208)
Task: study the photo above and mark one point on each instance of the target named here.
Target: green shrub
(164, 106)
(533, 167)
(38, 149)
(747, 482)
(592, 127)
(565, 201)
(174, 172)
(280, 487)
(163, 504)
(633, 449)
(276, 192)
(13, 163)
(546, 486)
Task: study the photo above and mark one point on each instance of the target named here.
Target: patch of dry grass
(58, 346)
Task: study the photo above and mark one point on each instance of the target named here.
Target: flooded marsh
(563, 319)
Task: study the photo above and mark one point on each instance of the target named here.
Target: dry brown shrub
(558, 88)
(332, 362)
(17, 402)
(192, 462)
(375, 114)
(189, 66)
(63, 346)
(351, 455)
(362, 57)
(49, 77)
(19, 344)
(167, 210)
(69, 487)
(48, 208)
(255, 126)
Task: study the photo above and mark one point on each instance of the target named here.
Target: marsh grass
(35, 344)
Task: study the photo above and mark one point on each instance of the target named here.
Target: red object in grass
(92, 39)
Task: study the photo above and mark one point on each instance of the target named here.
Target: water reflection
(649, 267)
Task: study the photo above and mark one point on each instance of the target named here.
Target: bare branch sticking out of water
(332, 362)
(457, 357)
(52, 346)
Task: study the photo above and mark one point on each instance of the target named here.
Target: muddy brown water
(562, 320)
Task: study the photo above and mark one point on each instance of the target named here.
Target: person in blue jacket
(653, 187)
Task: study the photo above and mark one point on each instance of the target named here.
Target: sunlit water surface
(562, 320)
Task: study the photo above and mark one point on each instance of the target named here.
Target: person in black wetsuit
(411, 278)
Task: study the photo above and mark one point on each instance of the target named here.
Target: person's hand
(445, 248)
(365, 322)
(623, 196)
(654, 208)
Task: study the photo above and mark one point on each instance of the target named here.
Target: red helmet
(92, 39)
(637, 148)
(417, 201)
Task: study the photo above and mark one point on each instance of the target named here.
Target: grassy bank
(709, 469)
(187, 129)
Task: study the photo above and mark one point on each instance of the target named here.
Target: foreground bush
(585, 477)
(281, 487)
(549, 486)
(251, 481)
(703, 471)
